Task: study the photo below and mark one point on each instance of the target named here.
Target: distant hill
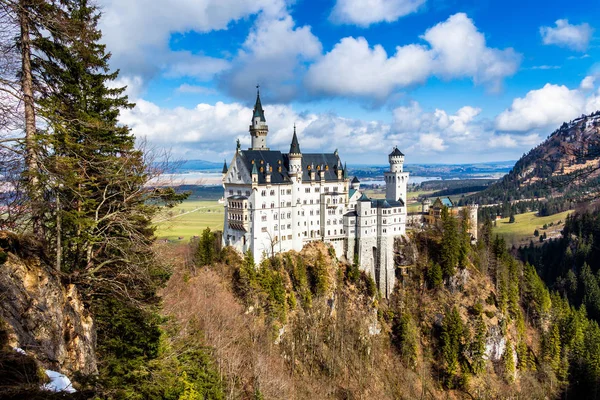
(198, 165)
(566, 166)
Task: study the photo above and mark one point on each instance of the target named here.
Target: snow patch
(19, 350)
(58, 383)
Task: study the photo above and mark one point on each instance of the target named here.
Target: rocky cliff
(45, 317)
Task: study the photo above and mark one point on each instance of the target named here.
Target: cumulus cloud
(588, 83)
(137, 32)
(574, 37)
(542, 108)
(272, 55)
(456, 50)
(364, 13)
(210, 131)
(353, 68)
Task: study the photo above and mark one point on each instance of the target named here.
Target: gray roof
(328, 162)
(224, 167)
(263, 157)
(355, 180)
(351, 214)
(237, 197)
(383, 203)
(364, 198)
(295, 147)
(396, 153)
(258, 110)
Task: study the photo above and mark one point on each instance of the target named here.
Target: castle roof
(224, 167)
(258, 110)
(396, 153)
(355, 180)
(364, 198)
(295, 147)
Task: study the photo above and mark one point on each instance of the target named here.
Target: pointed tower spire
(224, 166)
(259, 129)
(295, 147)
(258, 110)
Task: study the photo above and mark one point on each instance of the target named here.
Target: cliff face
(46, 318)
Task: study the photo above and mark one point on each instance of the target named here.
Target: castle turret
(355, 184)
(396, 180)
(259, 128)
(295, 156)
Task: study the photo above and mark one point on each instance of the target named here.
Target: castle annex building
(275, 202)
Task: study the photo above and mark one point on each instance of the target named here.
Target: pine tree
(509, 362)
(103, 209)
(452, 332)
(465, 238)
(450, 244)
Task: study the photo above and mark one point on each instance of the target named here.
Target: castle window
(230, 192)
(317, 189)
(289, 226)
(307, 190)
(384, 231)
(264, 229)
(275, 227)
(289, 191)
(263, 193)
(326, 190)
(272, 193)
(263, 218)
(272, 205)
(239, 192)
(289, 237)
(264, 205)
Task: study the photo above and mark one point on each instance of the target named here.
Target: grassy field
(521, 231)
(189, 219)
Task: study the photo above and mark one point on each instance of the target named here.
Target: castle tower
(295, 156)
(396, 180)
(259, 128)
(355, 184)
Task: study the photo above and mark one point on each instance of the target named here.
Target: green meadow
(521, 231)
(188, 219)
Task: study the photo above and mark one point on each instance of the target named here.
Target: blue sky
(446, 81)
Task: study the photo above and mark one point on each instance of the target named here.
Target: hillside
(565, 165)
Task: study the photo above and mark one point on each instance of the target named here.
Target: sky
(446, 81)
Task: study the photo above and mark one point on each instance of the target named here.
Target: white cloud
(431, 142)
(460, 51)
(352, 68)
(456, 50)
(210, 131)
(575, 37)
(505, 140)
(365, 13)
(137, 32)
(542, 108)
(588, 83)
(272, 55)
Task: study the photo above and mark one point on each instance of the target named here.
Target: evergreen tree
(509, 362)
(451, 337)
(465, 238)
(434, 276)
(450, 244)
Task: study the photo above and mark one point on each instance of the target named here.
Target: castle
(276, 202)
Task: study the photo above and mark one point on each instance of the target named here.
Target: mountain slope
(566, 164)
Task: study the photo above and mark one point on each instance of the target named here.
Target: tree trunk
(31, 160)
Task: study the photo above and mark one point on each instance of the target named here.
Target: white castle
(276, 202)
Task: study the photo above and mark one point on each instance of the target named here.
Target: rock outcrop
(45, 317)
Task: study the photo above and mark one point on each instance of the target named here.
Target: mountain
(198, 165)
(566, 165)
